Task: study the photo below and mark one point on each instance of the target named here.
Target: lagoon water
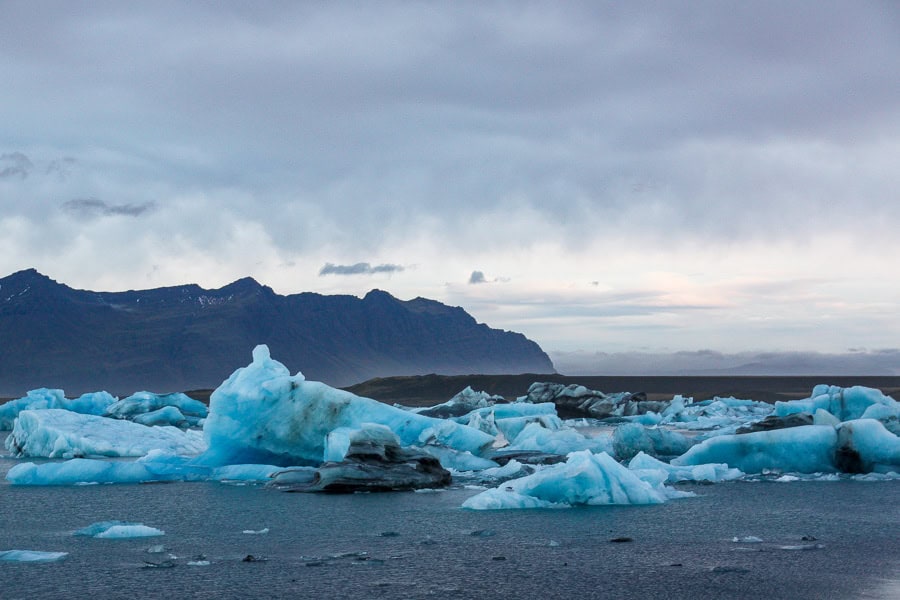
(415, 545)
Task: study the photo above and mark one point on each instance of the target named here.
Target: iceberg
(585, 478)
(141, 404)
(94, 403)
(118, 530)
(712, 473)
(156, 466)
(31, 556)
(57, 433)
(846, 404)
(462, 403)
(578, 401)
(629, 439)
(373, 462)
(262, 414)
(805, 449)
(536, 438)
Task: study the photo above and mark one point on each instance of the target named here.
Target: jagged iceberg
(262, 414)
(57, 433)
(94, 403)
(585, 478)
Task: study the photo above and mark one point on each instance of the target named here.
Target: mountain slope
(187, 337)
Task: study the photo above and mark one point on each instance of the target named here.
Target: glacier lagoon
(262, 412)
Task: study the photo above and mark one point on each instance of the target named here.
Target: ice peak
(261, 353)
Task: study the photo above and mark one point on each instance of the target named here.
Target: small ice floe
(31, 556)
(747, 539)
(802, 547)
(429, 491)
(157, 549)
(262, 531)
(198, 561)
(118, 530)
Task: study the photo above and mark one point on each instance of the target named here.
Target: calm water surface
(414, 545)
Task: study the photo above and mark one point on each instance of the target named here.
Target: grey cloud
(14, 164)
(714, 122)
(478, 277)
(92, 207)
(362, 268)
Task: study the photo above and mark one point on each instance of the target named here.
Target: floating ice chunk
(262, 531)
(168, 415)
(510, 411)
(31, 556)
(585, 478)
(534, 437)
(456, 460)
(91, 404)
(462, 403)
(511, 427)
(711, 472)
(56, 433)
(142, 403)
(722, 414)
(631, 438)
(747, 539)
(262, 414)
(865, 445)
(121, 532)
(578, 401)
(806, 449)
(80, 470)
(156, 466)
(844, 403)
(118, 530)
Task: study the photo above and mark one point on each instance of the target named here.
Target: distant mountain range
(186, 337)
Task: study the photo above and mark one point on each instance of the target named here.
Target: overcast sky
(601, 176)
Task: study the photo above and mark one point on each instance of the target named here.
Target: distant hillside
(186, 337)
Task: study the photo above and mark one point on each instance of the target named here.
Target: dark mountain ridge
(187, 337)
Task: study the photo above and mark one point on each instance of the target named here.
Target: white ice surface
(31, 556)
(118, 530)
(57, 433)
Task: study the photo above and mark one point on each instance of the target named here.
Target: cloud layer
(644, 176)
